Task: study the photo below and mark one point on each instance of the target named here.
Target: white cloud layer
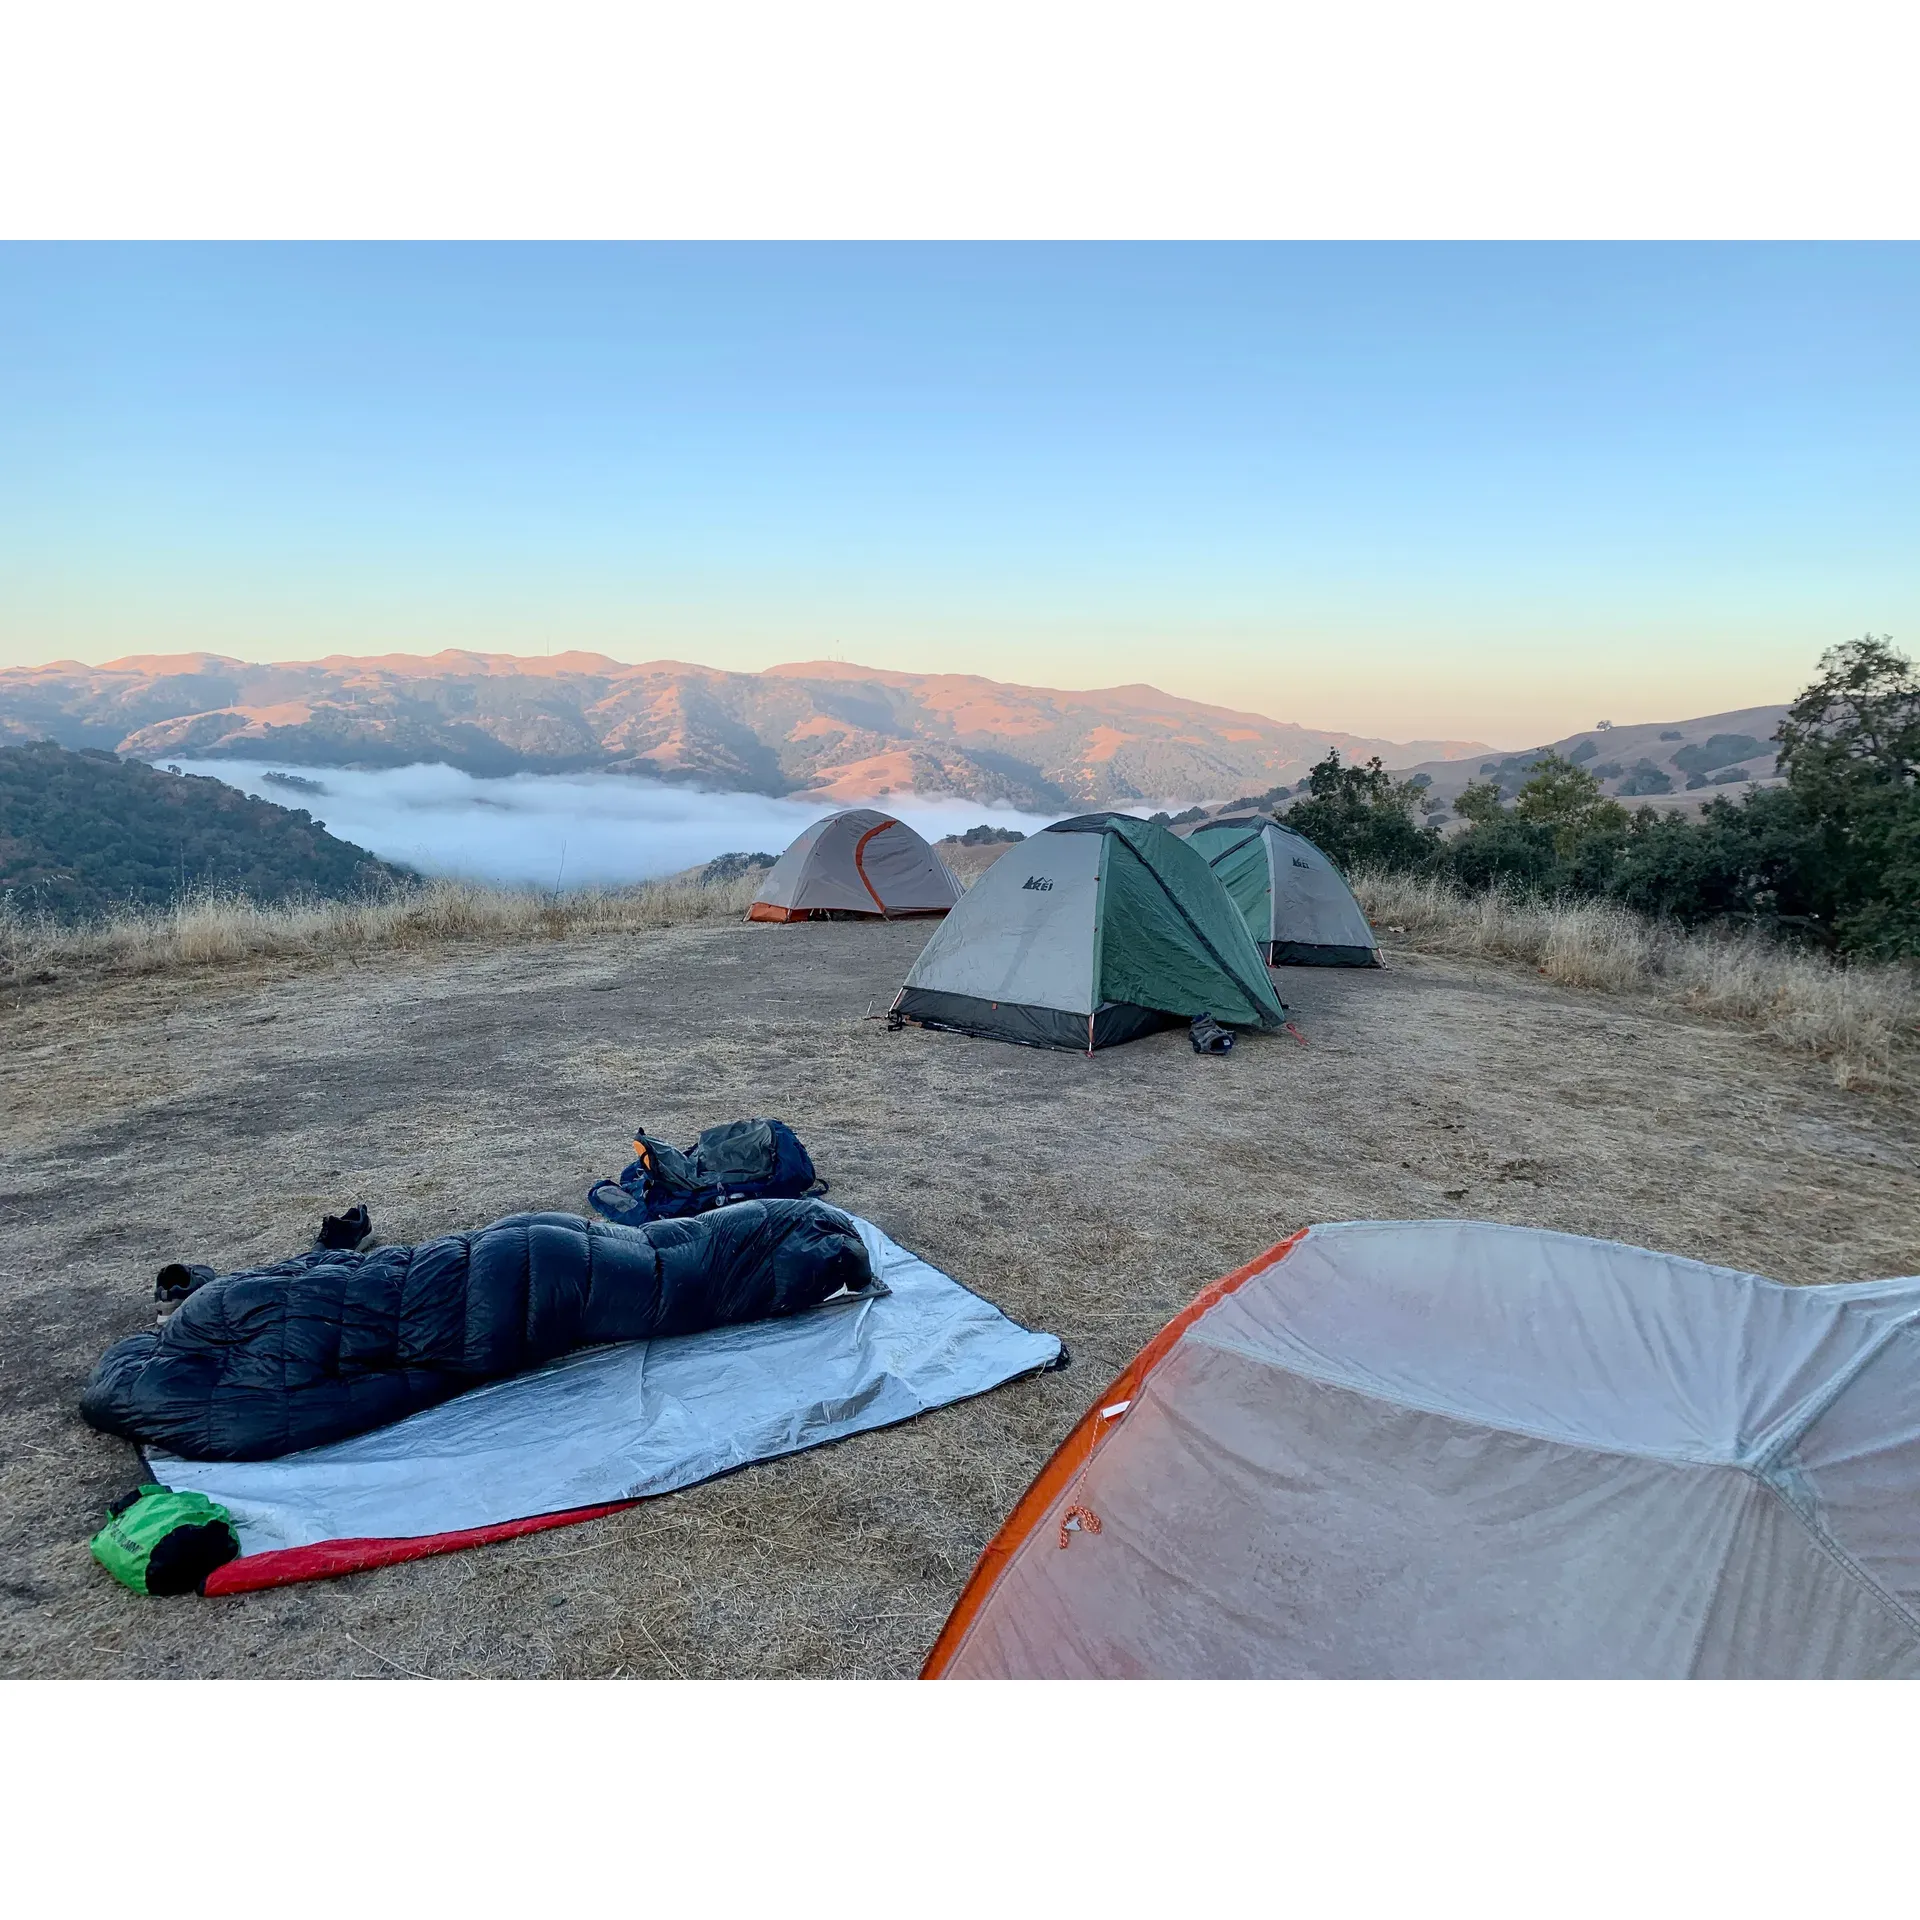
(564, 830)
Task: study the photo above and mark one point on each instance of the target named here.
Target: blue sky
(1497, 491)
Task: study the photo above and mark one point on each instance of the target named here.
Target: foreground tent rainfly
(858, 862)
(597, 1430)
(1089, 933)
(1451, 1449)
(1298, 908)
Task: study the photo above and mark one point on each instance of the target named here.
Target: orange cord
(1089, 1521)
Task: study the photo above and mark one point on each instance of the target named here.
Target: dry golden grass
(1863, 1019)
(212, 929)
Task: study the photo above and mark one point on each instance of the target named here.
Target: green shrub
(1362, 816)
(731, 866)
(984, 836)
(1850, 749)
(1644, 777)
(1721, 750)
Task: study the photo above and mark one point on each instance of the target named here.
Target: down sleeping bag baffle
(329, 1344)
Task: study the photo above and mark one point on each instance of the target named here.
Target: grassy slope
(83, 833)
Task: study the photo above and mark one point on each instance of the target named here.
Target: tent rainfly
(858, 862)
(1447, 1449)
(1092, 932)
(1299, 910)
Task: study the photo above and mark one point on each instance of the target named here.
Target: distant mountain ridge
(830, 728)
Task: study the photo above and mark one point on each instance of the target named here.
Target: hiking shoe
(176, 1280)
(172, 1284)
(1209, 1036)
(345, 1232)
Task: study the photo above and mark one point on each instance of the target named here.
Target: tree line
(1832, 858)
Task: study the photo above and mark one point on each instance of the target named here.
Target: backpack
(743, 1160)
(158, 1541)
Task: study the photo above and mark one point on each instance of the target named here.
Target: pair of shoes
(345, 1232)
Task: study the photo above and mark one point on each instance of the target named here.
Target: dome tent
(1298, 908)
(858, 862)
(1448, 1449)
(1089, 933)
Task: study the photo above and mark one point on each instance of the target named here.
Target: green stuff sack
(158, 1541)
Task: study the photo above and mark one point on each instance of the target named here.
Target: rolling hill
(841, 731)
(84, 832)
(1663, 762)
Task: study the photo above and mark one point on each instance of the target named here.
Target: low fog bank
(562, 830)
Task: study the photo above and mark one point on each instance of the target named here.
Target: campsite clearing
(213, 1116)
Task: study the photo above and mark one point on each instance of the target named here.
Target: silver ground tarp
(620, 1422)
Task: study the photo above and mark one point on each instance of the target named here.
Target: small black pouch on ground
(1209, 1036)
(742, 1160)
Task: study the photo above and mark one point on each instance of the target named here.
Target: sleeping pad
(257, 1364)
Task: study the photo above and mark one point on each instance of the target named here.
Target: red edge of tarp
(328, 1559)
(1071, 1457)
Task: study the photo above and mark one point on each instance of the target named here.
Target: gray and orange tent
(857, 862)
(1449, 1449)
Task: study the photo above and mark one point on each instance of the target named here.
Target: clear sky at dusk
(1491, 491)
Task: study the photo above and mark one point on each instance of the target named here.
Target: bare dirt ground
(215, 1116)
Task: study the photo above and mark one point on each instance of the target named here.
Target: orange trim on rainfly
(1072, 1456)
(860, 866)
(781, 916)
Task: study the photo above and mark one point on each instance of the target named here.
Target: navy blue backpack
(743, 1160)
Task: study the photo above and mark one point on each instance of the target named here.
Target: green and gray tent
(1097, 930)
(1299, 910)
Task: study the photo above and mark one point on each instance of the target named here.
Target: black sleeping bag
(253, 1365)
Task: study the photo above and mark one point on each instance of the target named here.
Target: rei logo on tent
(1037, 883)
